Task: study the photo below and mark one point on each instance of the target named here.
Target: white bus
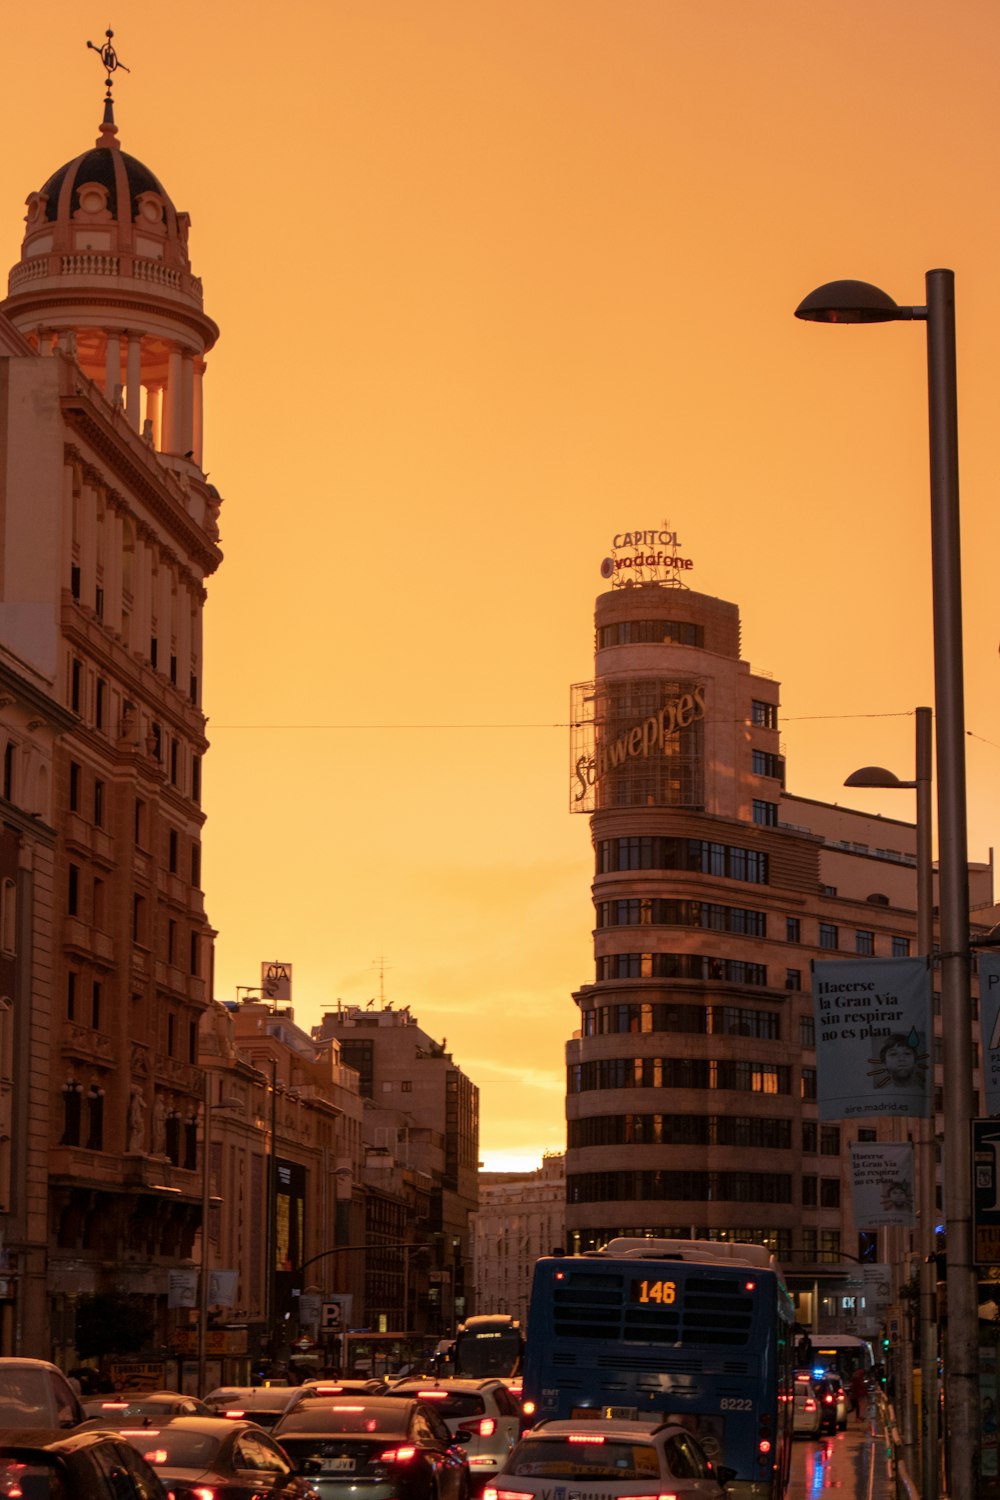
(842, 1353)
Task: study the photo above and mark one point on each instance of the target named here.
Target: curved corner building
(691, 1082)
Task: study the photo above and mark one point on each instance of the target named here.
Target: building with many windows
(108, 532)
(691, 1082)
(521, 1217)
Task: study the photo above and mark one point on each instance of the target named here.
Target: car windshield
(171, 1448)
(31, 1478)
(23, 1394)
(448, 1404)
(348, 1416)
(586, 1457)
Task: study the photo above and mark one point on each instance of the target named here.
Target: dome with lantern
(104, 273)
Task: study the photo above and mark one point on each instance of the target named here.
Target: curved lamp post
(878, 777)
(859, 302)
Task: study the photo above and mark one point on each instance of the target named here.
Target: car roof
(211, 1426)
(446, 1383)
(604, 1426)
(378, 1406)
(51, 1439)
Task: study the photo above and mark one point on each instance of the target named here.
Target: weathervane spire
(109, 57)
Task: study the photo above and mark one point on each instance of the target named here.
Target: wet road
(854, 1463)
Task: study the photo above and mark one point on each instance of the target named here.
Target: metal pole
(203, 1268)
(927, 1139)
(961, 1363)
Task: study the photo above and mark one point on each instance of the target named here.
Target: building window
(138, 919)
(192, 1041)
(793, 930)
(764, 715)
(154, 649)
(98, 802)
(100, 703)
(174, 761)
(864, 943)
(74, 580)
(10, 750)
(810, 1131)
(196, 865)
(829, 1140)
(73, 890)
(72, 1109)
(139, 825)
(95, 1005)
(807, 1032)
(793, 979)
(99, 602)
(76, 685)
(195, 953)
(171, 1028)
(172, 851)
(95, 1118)
(71, 996)
(829, 1192)
(99, 903)
(765, 813)
(171, 944)
(810, 1192)
(808, 1083)
(827, 935)
(74, 786)
(900, 947)
(764, 763)
(196, 778)
(173, 1137)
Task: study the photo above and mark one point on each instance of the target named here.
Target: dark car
(133, 1407)
(40, 1464)
(263, 1404)
(374, 1448)
(832, 1403)
(197, 1456)
(34, 1393)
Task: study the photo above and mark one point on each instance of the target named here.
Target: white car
(807, 1415)
(605, 1459)
(483, 1411)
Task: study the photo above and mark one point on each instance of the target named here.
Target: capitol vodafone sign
(644, 556)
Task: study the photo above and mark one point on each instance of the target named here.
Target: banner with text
(882, 1183)
(873, 1030)
(989, 1020)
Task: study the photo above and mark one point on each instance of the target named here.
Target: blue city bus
(701, 1331)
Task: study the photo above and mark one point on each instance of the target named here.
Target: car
(608, 1457)
(833, 1401)
(263, 1404)
(35, 1393)
(807, 1412)
(142, 1406)
(47, 1464)
(374, 1448)
(482, 1413)
(200, 1457)
(331, 1390)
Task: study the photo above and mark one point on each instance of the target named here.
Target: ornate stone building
(109, 531)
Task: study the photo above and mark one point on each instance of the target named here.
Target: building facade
(691, 1084)
(109, 531)
(521, 1217)
(422, 1144)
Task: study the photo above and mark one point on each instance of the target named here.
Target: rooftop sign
(648, 556)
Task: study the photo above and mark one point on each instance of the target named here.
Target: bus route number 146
(663, 1292)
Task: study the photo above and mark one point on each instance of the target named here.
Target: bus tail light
(764, 1446)
(528, 1407)
(492, 1493)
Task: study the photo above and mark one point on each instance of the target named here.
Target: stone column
(112, 364)
(133, 382)
(198, 438)
(186, 442)
(172, 406)
(153, 395)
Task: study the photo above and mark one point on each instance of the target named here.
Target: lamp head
(876, 776)
(852, 302)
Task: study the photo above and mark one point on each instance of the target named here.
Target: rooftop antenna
(109, 57)
(380, 962)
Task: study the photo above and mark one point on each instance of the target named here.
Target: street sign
(986, 1190)
(331, 1320)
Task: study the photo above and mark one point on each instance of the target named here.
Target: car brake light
(202, 1492)
(586, 1437)
(399, 1455)
(156, 1456)
(810, 1404)
(235, 1413)
(490, 1493)
(485, 1427)
(432, 1395)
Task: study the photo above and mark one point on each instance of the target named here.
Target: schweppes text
(641, 741)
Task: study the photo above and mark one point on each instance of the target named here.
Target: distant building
(521, 1217)
(421, 1131)
(109, 532)
(691, 1104)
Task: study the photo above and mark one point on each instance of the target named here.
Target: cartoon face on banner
(873, 1030)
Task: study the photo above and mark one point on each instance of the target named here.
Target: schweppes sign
(639, 741)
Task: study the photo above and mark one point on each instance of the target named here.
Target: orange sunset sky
(497, 279)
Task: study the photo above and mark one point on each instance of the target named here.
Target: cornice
(43, 300)
(82, 416)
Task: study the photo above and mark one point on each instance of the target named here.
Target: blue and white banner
(882, 1184)
(989, 1020)
(873, 1037)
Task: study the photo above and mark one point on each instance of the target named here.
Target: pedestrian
(859, 1392)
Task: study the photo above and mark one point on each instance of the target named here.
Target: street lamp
(859, 302)
(204, 1269)
(879, 777)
